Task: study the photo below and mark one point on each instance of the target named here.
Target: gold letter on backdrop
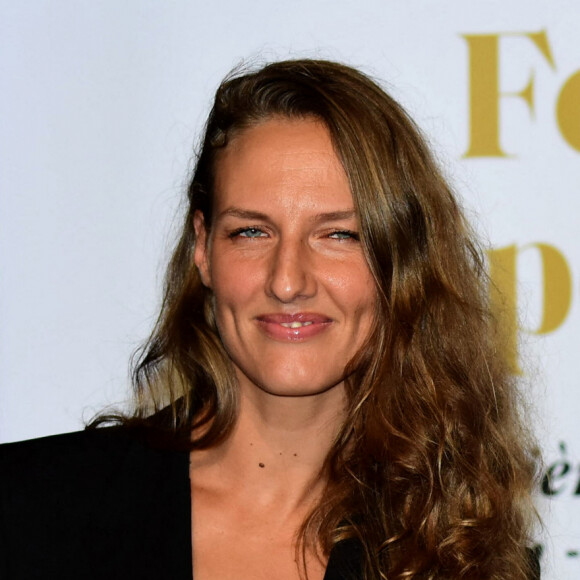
(556, 286)
(503, 298)
(484, 92)
(568, 111)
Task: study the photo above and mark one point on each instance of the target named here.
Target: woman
(324, 360)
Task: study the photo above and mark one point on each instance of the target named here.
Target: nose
(291, 272)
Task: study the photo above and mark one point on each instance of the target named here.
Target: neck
(277, 449)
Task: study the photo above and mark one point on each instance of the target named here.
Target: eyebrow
(243, 214)
(259, 216)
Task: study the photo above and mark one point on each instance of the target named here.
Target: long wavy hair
(432, 468)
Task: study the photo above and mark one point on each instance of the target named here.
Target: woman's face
(294, 296)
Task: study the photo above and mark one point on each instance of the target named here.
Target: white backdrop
(101, 102)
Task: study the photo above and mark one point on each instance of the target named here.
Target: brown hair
(431, 470)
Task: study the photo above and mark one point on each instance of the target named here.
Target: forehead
(289, 161)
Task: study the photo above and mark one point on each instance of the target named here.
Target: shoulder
(81, 461)
(88, 497)
(50, 454)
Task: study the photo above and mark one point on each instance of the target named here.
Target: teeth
(295, 324)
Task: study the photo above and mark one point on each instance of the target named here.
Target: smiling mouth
(293, 327)
(296, 324)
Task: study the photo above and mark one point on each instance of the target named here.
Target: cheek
(356, 286)
(234, 282)
(363, 298)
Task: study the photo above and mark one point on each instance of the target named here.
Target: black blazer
(103, 504)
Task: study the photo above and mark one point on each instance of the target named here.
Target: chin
(299, 387)
(287, 377)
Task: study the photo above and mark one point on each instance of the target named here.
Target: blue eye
(247, 233)
(344, 235)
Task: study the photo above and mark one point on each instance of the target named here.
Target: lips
(293, 327)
